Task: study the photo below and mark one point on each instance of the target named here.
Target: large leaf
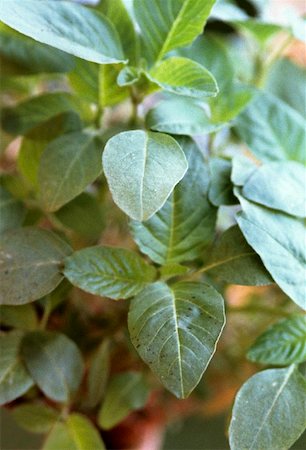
(279, 241)
(221, 188)
(55, 363)
(183, 76)
(126, 392)
(98, 374)
(181, 229)
(142, 169)
(181, 116)
(67, 166)
(35, 417)
(66, 26)
(234, 261)
(12, 211)
(30, 261)
(14, 378)
(279, 185)
(269, 411)
(175, 331)
(171, 24)
(273, 130)
(111, 272)
(281, 344)
(76, 433)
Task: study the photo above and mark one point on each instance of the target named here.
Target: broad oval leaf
(279, 185)
(142, 169)
(55, 363)
(181, 229)
(67, 166)
(30, 261)
(12, 211)
(234, 261)
(281, 344)
(269, 411)
(66, 26)
(15, 380)
(35, 417)
(279, 241)
(175, 331)
(126, 392)
(221, 188)
(183, 76)
(166, 25)
(111, 272)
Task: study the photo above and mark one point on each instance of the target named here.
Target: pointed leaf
(221, 188)
(175, 331)
(66, 26)
(111, 272)
(35, 417)
(142, 169)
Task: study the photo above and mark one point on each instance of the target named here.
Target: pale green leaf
(242, 168)
(221, 188)
(175, 331)
(35, 417)
(14, 378)
(232, 260)
(281, 344)
(111, 272)
(98, 374)
(181, 229)
(67, 166)
(30, 261)
(226, 106)
(269, 411)
(128, 76)
(55, 363)
(23, 317)
(12, 211)
(183, 76)
(171, 24)
(142, 169)
(279, 185)
(261, 31)
(126, 392)
(69, 27)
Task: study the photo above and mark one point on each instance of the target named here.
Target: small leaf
(142, 169)
(182, 228)
(183, 76)
(23, 317)
(175, 331)
(78, 31)
(67, 166)
(30, 262)
(221, 189)
(269, 411)
(98, 374)
(12, 211)
(55, 363)
(14, 378)
(126, 392)
(128, 76)
(35, 417)
(279, 185)
(281, 344)
(234, 261)
(111, 272)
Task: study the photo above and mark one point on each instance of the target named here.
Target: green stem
(46, 314)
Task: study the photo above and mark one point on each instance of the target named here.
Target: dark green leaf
(12, 211)
(23, 317)
(98, 374)
(35, 417)
(221, 189)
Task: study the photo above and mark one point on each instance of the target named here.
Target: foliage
(135, 129)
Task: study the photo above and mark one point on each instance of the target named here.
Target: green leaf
(226, 106)
(269, 411)
(232, 260)
(79, 31)
(279, 185)
(221, 188)
(67, 166)
(181, 116)
(279, 241)
(128, 76)
(272, 130)
(110, 93)
(281, 344)
(183, 76)
(14, 378)
(169, 25)
(261, 31)
(182, 228)
(12, 211)
(242, 168)
(82, 215)
(77, 433)
(23, 317)
(55, 363)
(111, 272)
(98, 374)
(142, 169)
(175, 331)
(30, 261)
(172, 270)
(126, 392)
(35, 417)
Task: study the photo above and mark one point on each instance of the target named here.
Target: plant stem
(46, 314)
